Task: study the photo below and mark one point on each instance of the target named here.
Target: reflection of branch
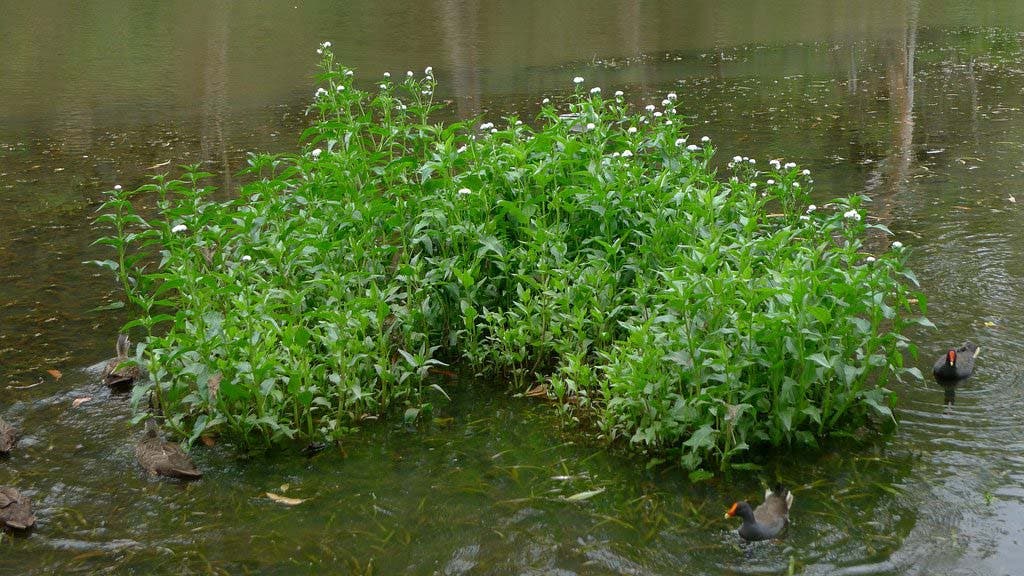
(459, 24)
(901, 102)
(215, 89)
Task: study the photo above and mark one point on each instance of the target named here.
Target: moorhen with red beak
(767, 520)
(956, 364)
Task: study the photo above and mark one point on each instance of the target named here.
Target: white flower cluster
(852, 214)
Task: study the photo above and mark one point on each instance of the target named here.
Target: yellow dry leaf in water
(79, 401)
(990, 324)
(284, 499)
(55, 373)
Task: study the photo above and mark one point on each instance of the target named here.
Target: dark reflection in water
(914, 103)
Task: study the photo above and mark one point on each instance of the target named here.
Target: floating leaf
(55, 373)
(79, 401)
(284, 499)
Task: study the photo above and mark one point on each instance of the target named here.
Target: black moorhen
(766, 521)
(956, 364)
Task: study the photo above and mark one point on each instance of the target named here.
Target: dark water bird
(767, 520)
(114, 374)
(8, 436)
(15, 509)
(159, 456)
(956, 364)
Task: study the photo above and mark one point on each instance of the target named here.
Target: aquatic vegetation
(595, 249)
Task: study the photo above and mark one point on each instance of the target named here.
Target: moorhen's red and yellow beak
(951, 357)
(732, 511)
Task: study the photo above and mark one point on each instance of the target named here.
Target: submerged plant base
(596, 252)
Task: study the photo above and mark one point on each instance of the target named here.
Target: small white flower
(626, 153)
(246, 258)
(737, 159)
(672, 96)
(789, 165)
(666, 102)
(649, 107)
(340, 88)
(316, 153)
(429, 70)
(577, 80)
(631, 130)
(852, 214)
(796, 184)
(806, 172)
(775, 163)
(770, 182)
(680, 141)
(668, 122)
(705, 139)
(319, 51)
(382, 86)
(349, 72)
(319, 92)
(401, 107)
(326, 44)
(461, 149)
(615, 154)
(487, 126)
(464, 191)
(595, 90)
(618, 93)
(408, 73)
(519, 122)
(494, 130)
(751, 160)
(117, 187)
(545, 101)
(590, 126)
(657, 114)
(802, 216)
(734, 179)
(426, 91)
(179, 229)
(869, 259)
(693, 147)
(387, 74)
(811, 208)
(753, 185)
(897, 245)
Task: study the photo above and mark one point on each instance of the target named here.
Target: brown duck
(956, 364)
(114, 373)
(158, 456)
(15, 510)
(767, 520)
(8, 436)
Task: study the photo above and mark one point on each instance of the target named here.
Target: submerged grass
(597, 251)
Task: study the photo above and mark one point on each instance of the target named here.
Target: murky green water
(918, 104)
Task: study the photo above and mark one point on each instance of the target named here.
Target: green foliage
(597, 251)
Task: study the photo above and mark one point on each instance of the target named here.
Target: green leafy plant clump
(595, 254)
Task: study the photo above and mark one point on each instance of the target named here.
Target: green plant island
(595, 252)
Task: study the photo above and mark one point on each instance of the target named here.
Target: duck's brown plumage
(8, 436)
(766, 521)
(15, 509)
(114, 373)
(956, 364)
(157, 456)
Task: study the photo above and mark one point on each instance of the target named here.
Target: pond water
(917, 104)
